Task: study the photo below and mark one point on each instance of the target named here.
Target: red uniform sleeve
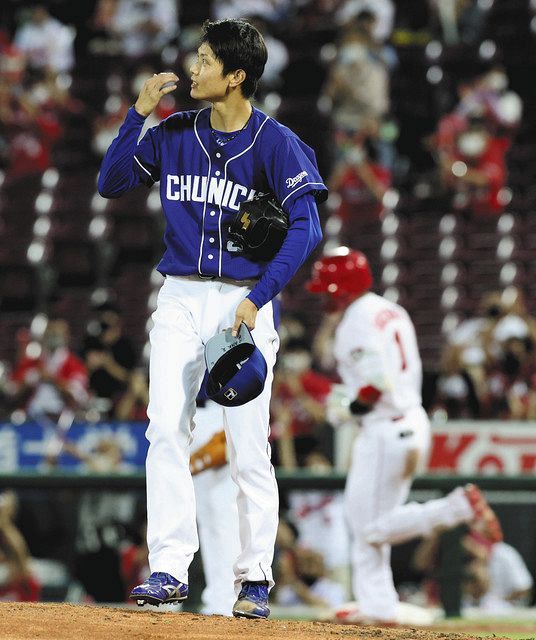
(23, 367)
(316, 385)
(72, 369)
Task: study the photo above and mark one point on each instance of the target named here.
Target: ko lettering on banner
(482, 448)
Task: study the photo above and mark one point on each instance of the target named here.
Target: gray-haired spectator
(144, 26)
(358, 80)
(46, 42)
(383, 10)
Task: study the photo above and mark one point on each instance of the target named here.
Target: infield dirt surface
(21, 621)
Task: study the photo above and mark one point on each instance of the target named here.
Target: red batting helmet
(342, 273)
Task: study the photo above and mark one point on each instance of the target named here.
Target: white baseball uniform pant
(189, 312)
(217, 519)
(217, 524)
(377, 487)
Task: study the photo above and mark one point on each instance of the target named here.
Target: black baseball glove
(258, 229)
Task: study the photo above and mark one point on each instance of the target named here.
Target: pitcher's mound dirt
(22, 621)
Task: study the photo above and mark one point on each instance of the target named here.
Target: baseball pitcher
(208, 162)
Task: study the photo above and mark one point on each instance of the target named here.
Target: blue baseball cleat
(252, 601)
(159, 588)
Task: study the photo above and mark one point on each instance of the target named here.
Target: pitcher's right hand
(152, 91)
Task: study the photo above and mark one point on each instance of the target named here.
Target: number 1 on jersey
(403, 361)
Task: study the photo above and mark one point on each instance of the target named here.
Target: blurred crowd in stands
(496, 577)
(41, 57)
(98, 380)
(332, 65)
(487, 371)
(488, 365)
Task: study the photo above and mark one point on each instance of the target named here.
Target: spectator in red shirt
(28, 130)
(51, 378)
(488, 95)
(359, 180)
(297, 402)
(476, 170)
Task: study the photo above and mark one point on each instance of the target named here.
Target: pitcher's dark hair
(238, 45)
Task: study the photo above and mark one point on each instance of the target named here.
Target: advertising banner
(483, 448)
(90, 447)
(466, 448)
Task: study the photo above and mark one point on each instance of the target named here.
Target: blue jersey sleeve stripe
(307, 184)
(205, 200)
(147, 172)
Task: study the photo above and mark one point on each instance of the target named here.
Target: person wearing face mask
(357, 87)
(490, 95)
(511, 376)
(358, 177)
(358, 82)
(472, 144)
(106, 126)
(52, 378)
(469, 348)
(476, 171)
(297, 403)
(110, 357)
(143, 27)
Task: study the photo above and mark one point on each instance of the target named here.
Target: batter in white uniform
(378, 361)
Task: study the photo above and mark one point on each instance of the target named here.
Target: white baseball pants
(217, 519)
(217, 522)
(376, 490)
(189, 312)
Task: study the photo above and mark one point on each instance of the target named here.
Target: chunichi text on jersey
(217, 191)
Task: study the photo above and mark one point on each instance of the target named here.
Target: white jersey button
(212, 213)
(211, 240)
(217, 173)
(210, 256)
(218, 155)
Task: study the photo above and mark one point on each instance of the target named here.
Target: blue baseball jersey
(202, 184)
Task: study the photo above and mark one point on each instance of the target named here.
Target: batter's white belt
(195, 277)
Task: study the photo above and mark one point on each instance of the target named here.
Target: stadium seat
(19, 288)
(136, 238)
(10, 323)
(75, 262)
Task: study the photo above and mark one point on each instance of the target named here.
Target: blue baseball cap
(236, 369)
